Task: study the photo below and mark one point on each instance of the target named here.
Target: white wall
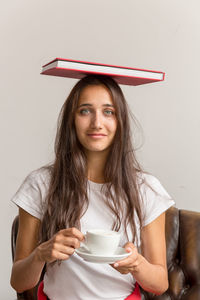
(154, 34)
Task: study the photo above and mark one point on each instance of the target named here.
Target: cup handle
(84, 246)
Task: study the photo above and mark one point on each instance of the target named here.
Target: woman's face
(95, 119)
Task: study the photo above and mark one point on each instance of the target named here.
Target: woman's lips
(96, 135)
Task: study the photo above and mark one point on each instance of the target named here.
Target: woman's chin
(96, 149)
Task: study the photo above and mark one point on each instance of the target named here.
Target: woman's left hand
(131, 263)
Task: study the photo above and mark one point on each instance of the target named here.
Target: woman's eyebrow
(88, 104)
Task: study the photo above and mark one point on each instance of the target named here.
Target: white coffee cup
(101, 242)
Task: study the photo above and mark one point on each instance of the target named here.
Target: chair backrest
(183, 256)
(14, 231)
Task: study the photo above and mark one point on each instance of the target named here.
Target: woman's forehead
(93, 94)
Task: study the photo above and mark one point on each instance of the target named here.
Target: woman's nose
(96, 120)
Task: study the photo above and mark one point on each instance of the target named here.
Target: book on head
(79, 69)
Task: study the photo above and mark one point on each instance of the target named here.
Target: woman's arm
(31, 258)
(27, 268)
(148, 269)
(154, 252)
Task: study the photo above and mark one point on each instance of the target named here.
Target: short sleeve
(32, 193)
(155, 199)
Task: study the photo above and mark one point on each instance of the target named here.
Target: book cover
(79, 69)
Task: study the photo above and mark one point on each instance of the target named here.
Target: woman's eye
(109, 112)
(84, 111)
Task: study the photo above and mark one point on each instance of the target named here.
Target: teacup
(101, 242)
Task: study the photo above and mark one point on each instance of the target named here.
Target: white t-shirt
(75, 278)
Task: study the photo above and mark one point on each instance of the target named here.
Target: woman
(94, 182)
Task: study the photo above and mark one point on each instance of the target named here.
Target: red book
(79, 69)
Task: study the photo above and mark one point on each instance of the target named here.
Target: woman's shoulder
(151, 185)
(154, 197)
(145, 178)
(31, 194)
(39, 176)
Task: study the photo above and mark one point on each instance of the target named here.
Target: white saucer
(120, 253)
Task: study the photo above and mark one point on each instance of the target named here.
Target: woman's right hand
(30, 257)
(61, 246)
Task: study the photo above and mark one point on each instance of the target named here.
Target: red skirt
(134, 296)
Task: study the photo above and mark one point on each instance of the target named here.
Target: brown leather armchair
(183, 257)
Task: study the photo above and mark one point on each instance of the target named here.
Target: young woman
(95, 181)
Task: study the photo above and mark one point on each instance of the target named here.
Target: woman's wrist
(139, 264)
(38, 255)
(150, 277)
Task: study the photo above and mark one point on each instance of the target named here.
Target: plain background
(153, 34)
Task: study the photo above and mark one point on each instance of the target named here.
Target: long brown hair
(67, 198)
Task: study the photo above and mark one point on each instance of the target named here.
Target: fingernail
(116, 265)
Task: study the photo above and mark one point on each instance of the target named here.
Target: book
(79, 69)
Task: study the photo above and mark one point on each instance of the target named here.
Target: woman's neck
(96, 164)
